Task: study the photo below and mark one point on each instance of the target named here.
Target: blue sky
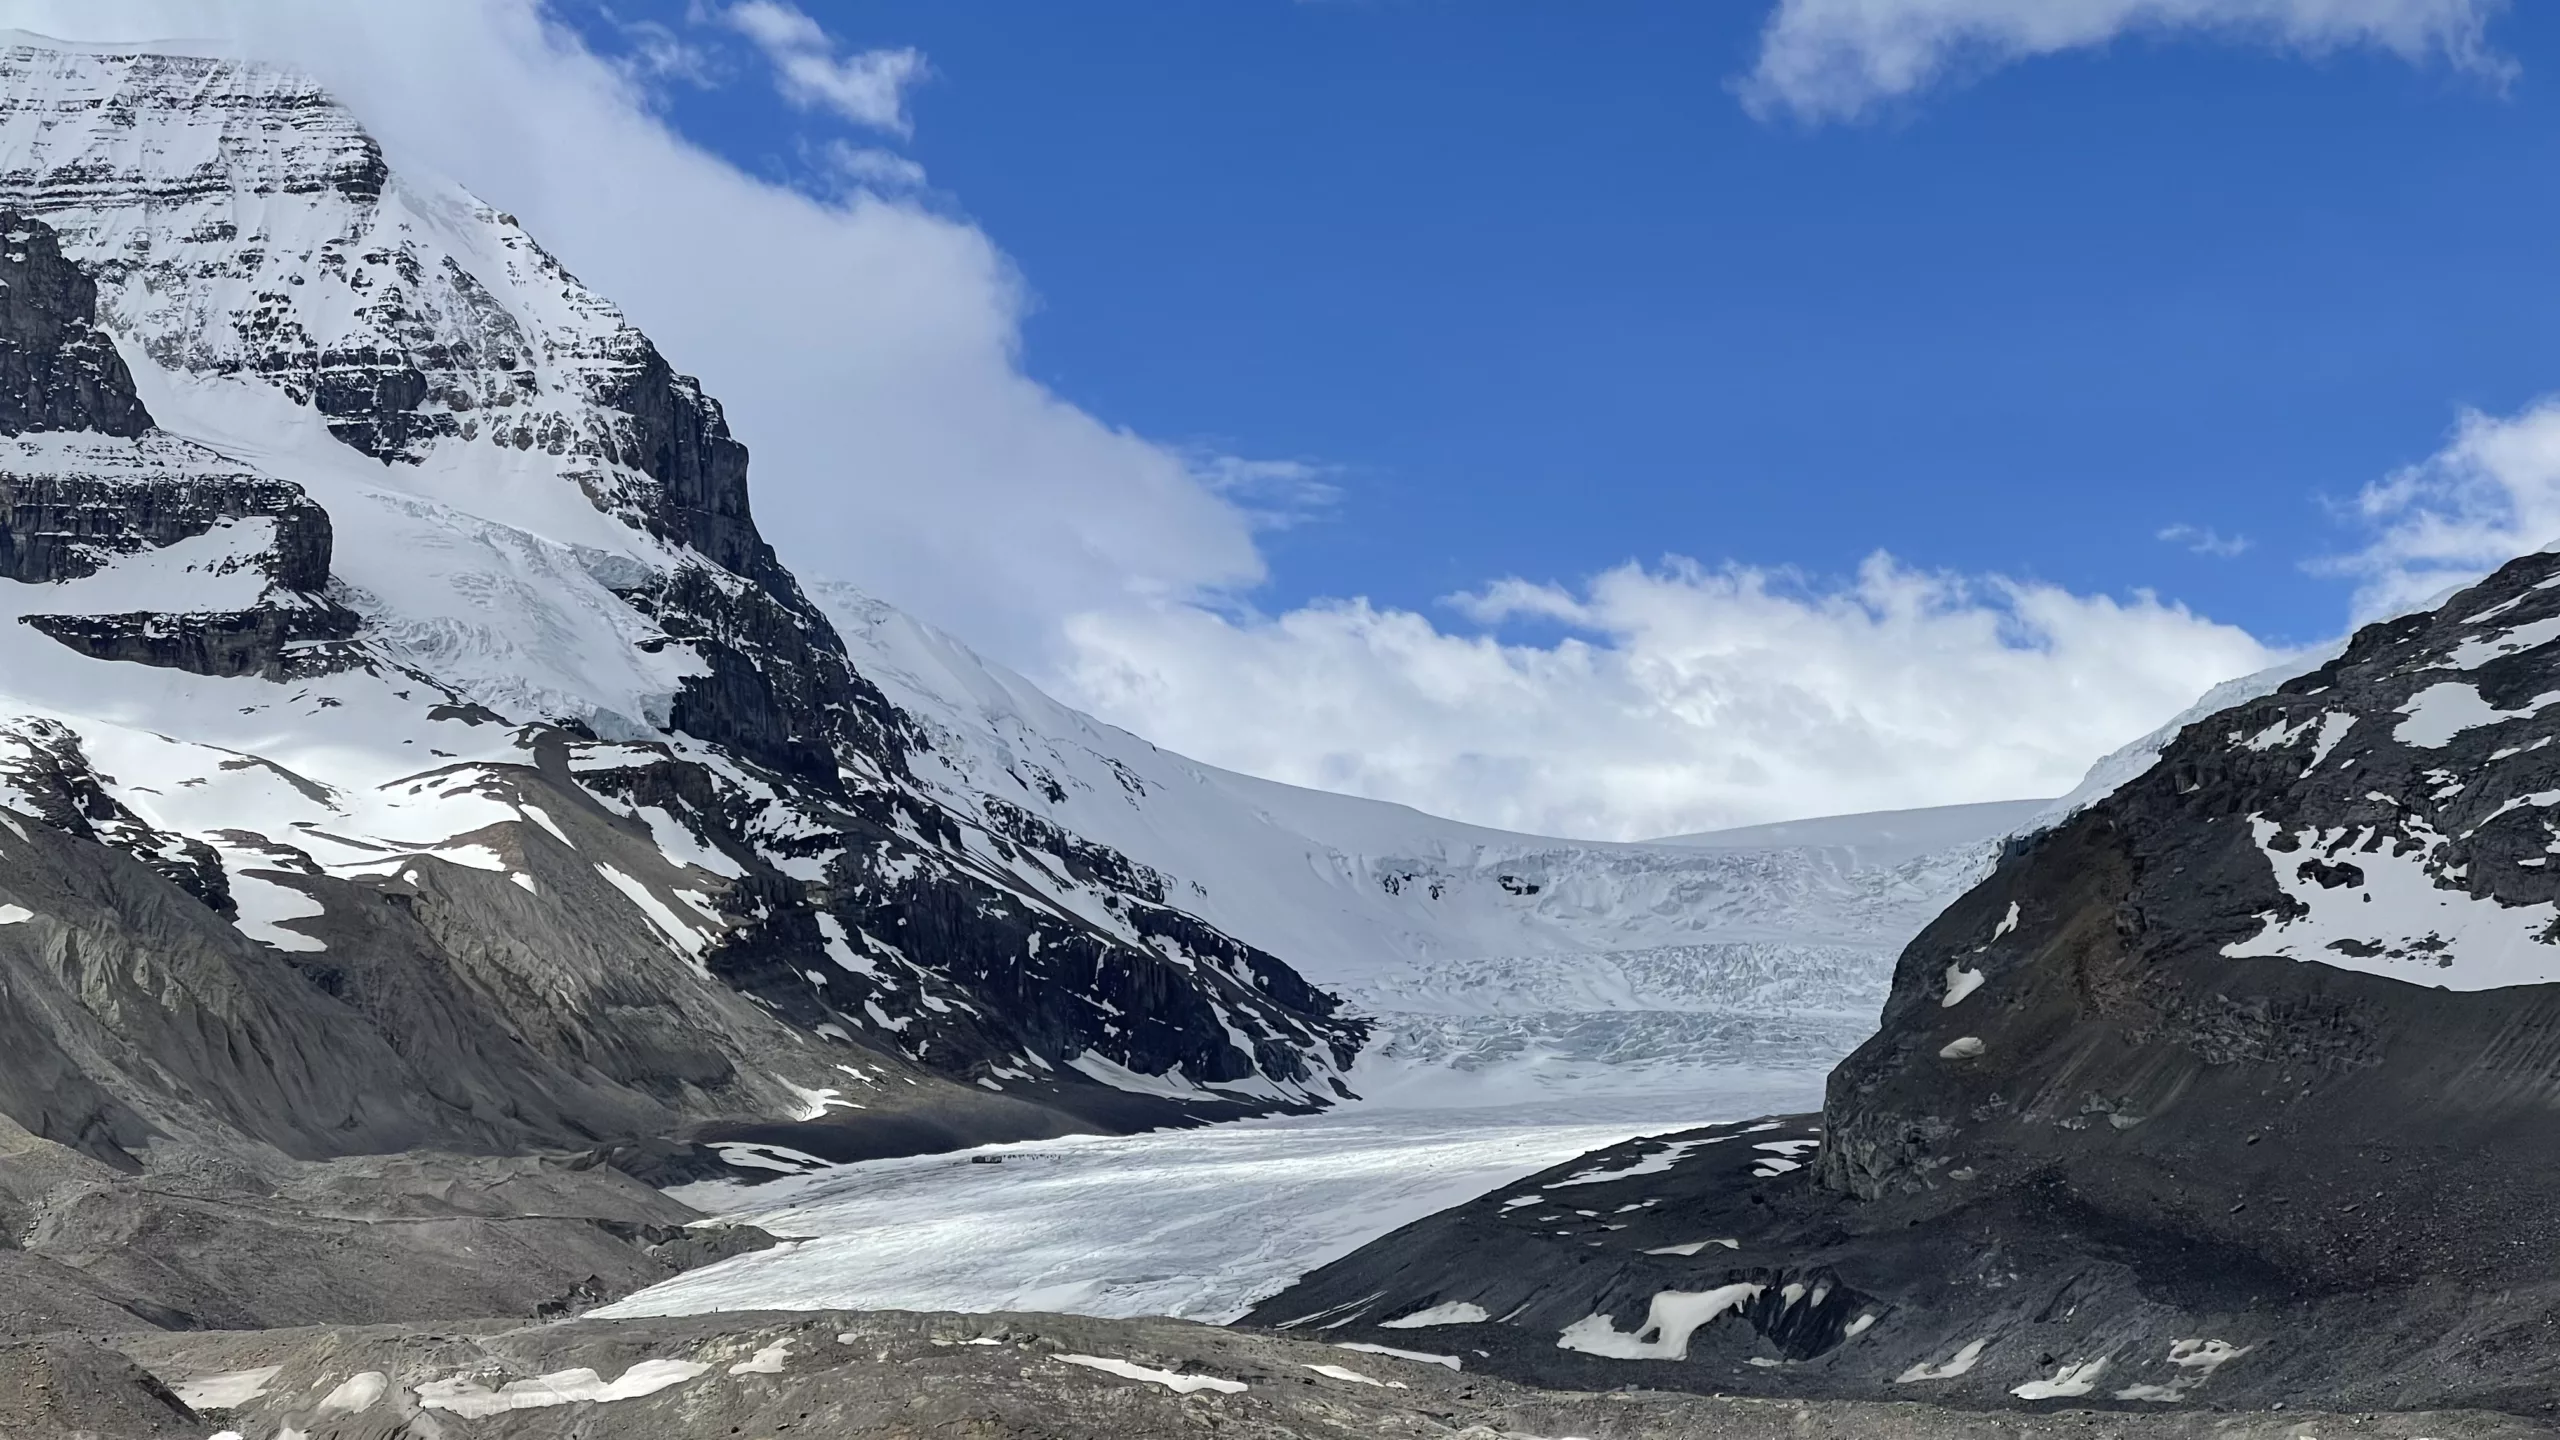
(1539, 296)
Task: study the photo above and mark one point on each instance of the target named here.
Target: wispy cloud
(657, 54)
(2205, 540)
(2490, 494)
(1276, 493)
(868, 87)
(1842, 59)
(867, 167)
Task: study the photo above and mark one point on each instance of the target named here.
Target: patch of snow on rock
(1671, 1318)
(356, 1394)
(2068, 1383)
(227, 1391)
(1345, 1372)
(1181, 1384)
(1961, 982)
(2433, 716)
(1456, 1312)
(2388, 914)
(1956, 1364)
(1448, 1362)
(467, 1397)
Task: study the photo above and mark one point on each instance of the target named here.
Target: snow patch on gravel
(1456, 1312)
(1131, 1370)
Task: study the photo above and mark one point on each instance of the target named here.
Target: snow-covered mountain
(383, 595)
(1576, 962)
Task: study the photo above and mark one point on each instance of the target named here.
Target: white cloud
(1689, 698)
(2492, 493)
(867, 349)
(867, 88)
(2205, 540)
(1275, 494)
(1840, 59)
(656, 54)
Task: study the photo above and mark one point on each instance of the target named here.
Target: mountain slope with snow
(379, 588)
(372, 572)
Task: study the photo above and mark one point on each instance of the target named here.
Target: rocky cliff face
(57, 371)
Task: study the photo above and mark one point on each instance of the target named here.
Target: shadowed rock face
(273, 643)
(2289, 992)
(2238, 1085)
(57, 370)
(61, 526)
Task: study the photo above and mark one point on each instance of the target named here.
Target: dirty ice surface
(1193, 1223)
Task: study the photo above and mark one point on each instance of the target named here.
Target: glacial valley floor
(778, 1376)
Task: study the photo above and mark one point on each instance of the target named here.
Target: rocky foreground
(888, 1375)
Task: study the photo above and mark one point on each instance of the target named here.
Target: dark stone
(61, 527)
(779, 690)
(680, 438)
(58, 371)
(276, 643)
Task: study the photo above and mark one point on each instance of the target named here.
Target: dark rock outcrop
(58, 371)
(62, 525)
(277, 642)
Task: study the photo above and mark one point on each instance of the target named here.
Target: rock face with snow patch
(2326, 918)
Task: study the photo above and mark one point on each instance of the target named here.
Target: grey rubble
(985, 1376)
